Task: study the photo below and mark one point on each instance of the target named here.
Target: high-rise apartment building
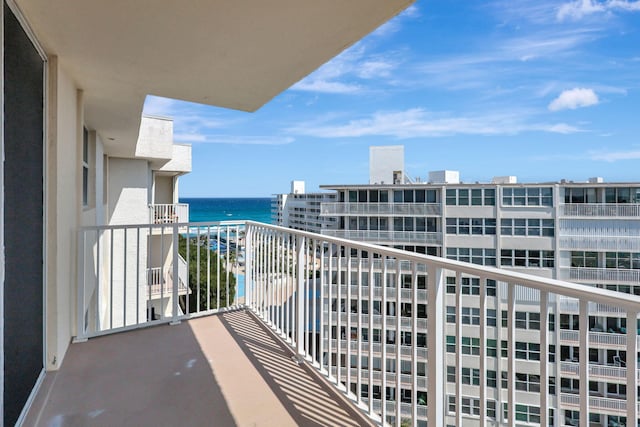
(584, 232)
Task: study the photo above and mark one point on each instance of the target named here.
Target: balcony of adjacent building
(380, 209)
(600, 210)
(284, 327)
(168, 213)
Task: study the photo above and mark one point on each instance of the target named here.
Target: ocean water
(229, 209)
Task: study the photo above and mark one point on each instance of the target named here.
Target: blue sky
(543, 90)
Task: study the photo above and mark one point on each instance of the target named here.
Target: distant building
(300, 210)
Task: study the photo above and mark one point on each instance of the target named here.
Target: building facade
(583, 232)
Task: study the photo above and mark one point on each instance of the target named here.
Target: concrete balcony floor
(221, 370)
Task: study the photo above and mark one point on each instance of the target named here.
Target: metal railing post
(299, 316)
(632, 367)
(175, 276)
(248, 264)
(435, 346)
(80, 332)
(584, 361)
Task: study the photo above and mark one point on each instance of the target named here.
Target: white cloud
(418, 123)
(574, 98)
(198, 138)
(158, 106)
(324, 86)
(394, 25)
(348, 72)
(614, 156)
(578, 9)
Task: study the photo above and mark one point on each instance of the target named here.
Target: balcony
(603, 275)
(599, 243)
(605, 210)
(429, 238)
(381, 209)
(168, 213)
(290, 279)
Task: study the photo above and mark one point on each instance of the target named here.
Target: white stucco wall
(155, 140)
(63, 201)
(128, 191)
(180, 159)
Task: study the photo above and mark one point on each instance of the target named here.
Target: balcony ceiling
(233, 54)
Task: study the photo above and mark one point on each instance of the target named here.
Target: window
(530, 196)
(491, 409)
(623, 260)
(491, 317)
(470, 376)
(473, 197)
(492, 347)
(470, 316)
(528, 382)
(470, 346)
(470, 286)
(451, 344)
(492, 379)
(527, 227)
(584, 259)
(476, 226)
(527, 258)
(470, 406)
(451, 374)
(451, 314)
(391, 365)
(451, 285)
(451, 404)
(570, 385)
(622, 195)
(528, 414)
(570, 321)
(421, 339)
(527, 320)
(491, 288)
(527, 350)
(478, 256)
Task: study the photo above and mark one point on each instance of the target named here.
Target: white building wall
(128, 196)
(63, 189)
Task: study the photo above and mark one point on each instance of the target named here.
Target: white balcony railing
(599, 209)
(381, 209)
(596, 372)
(605, 405)
(600, 243)
(161, 283)
(432, 238)
(169, 213)
(596, 339)
(572, 305)
(292, 279)
(604, 275)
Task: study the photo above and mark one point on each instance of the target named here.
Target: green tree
(193, 263)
